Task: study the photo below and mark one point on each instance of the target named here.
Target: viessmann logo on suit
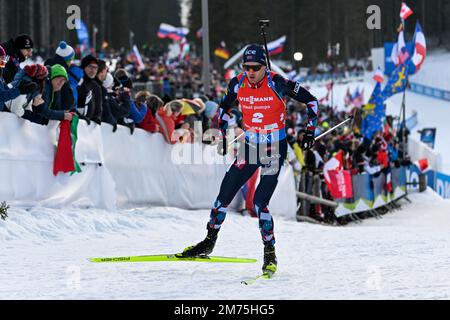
(253, 100)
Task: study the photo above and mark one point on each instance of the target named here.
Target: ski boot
(270, 260)
(203, 248)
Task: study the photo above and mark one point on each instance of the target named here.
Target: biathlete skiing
(261, 95)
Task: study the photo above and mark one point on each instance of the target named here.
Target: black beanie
(254, 53)
(23, 41)
(89, 59)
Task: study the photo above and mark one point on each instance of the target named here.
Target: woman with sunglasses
(261, 96)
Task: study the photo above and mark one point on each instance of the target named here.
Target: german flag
(222, 53)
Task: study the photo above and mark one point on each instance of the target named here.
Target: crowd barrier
(430, 91)
(437, 181)
(118, 170)
(418, 150)
(369, 192)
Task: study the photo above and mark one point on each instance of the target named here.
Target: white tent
(238, 56)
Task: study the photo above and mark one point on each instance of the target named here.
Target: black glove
(131, 126)
(26, 87)
(114, 127)
(85, 119)
(224, 117)
(308, 140)
(97, 121)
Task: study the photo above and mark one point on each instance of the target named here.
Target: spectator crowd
(105, 90)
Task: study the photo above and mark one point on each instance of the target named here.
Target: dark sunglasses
(254, 68)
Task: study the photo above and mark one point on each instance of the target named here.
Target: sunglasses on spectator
(3, 61)
(255, 68)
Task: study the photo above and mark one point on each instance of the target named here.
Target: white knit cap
(109, 81)
(65, 51)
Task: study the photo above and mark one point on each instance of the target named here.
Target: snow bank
(119, 169)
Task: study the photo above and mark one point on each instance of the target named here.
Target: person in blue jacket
(6, 93)
(138, 110)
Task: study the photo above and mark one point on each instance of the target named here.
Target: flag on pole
(82, 33)
(138, 59)
(277, 46)
(168, 31)
(378, 76)
(184, 49)
(397, 82)
(199, 33)
(420, 50)
(358, 98)
(222, 53)
(403, 53)
(405, 11)
(339, 181)
(373, 114)
(348, 97)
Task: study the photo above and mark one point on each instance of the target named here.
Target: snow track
(405, 255)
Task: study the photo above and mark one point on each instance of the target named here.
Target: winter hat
(37, 71)
(58, 71)
(65, 51)
(210, 109)
(254, 53)
(109, 81)
(89, 59)
(23, 41)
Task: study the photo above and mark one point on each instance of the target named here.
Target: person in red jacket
(261, 96)
(150, 123)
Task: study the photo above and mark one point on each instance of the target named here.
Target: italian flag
(65, 160)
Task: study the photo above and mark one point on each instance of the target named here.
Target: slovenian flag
(277, 46)
(168, 31)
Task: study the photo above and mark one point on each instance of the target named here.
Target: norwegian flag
(405, 11)
(378, 76)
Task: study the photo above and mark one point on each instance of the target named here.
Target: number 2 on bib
(257, 118)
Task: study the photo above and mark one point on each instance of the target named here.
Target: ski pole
(262, 25)
(234, 140)
(334, 128)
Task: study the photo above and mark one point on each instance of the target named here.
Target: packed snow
(44, 255)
